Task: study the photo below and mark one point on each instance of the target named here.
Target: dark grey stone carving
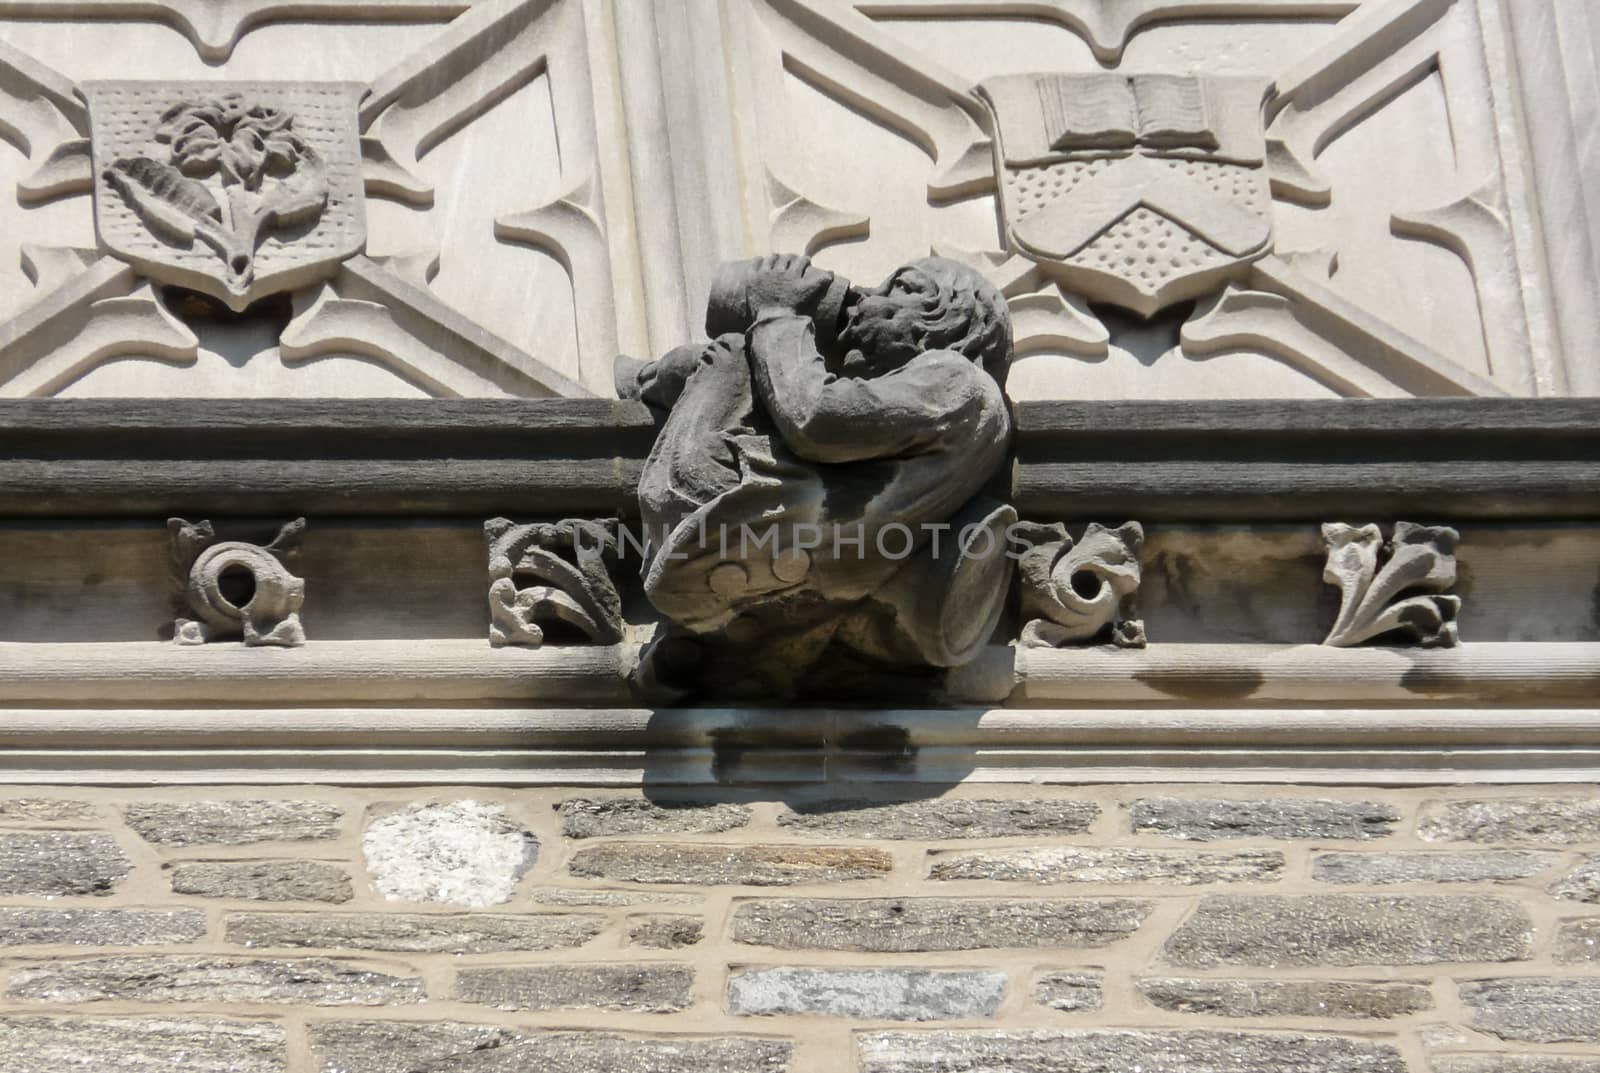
(230, 589)
(820, 461)
(1080, 593)
(551, 573)
(1406, 594)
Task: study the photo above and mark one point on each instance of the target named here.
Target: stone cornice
(1245, 461)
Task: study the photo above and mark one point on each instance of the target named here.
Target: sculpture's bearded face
(888, 326)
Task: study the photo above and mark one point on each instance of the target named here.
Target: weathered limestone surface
(100, 927)
(456, 933)
(193, 1044)
(939, 819)
(590, 817)
(911, 924)
(1119, 1052)
(1344, 999)
(171, 978)
(878, 994)
(264, 881)
(1549, 820)
(388, 1046)
(635, 988)
(711, 865)
(1070, 991)
(1333, 929)
(1536, 1009)
(1380, 868)
(52, 864)
(662, 932)
(233, 823)
(460, 853)
(1053, 864)
(1205, 820)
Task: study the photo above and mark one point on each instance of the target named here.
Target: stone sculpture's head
(931, 304)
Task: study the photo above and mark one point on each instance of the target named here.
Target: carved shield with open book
(1139, 190)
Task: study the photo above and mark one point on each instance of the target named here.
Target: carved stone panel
(237, 190)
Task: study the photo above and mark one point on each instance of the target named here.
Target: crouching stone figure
(812, 502)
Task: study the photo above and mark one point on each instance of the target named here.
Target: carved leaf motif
(570, 563)
(168, 201)
(1406, 594)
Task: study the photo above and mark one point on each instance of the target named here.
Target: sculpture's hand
(659, 383)
(786, 283)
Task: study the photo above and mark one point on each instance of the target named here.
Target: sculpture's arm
(828, 418)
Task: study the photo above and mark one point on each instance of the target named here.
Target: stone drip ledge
(436, 671)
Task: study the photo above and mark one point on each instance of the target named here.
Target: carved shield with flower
(237, 190)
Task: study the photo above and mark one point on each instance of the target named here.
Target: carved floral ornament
(235, 191)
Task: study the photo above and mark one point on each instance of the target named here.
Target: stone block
(939, 819)
(173, 978)
(46, 810)
(1071, 864)
(594, 817)
(233, 823)
(1578, 941)
(58, 863)
(403, 1046)
(444, 933)
(578, 897)
(645, 987)
(100, 927)
(701, 864)
(1582, 884)
(1070, 992)
(905, 925)
(1561, 821)
(1536, 1009)
(1340, 929)
(92, 1044)
(1340, 999)
(1514, 1063)
(662, 932)
(875, 994)
(264, 881)
(462, 853)
(1121, 1052)
(1203, 820)
(1471, 867)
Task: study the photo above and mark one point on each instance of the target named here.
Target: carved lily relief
(1395, 587)
(552, 573)
(234, 170)
(232, 589)
(1083, 592)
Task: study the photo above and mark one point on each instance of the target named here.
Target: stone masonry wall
(990, 930)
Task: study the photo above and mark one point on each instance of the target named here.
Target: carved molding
(552, 574)
(234, 589)
(1083, 592)
(1394, 587)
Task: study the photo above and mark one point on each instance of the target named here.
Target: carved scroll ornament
(231, 589)
(1395, 587)
(1083, 592)
(546, 574)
